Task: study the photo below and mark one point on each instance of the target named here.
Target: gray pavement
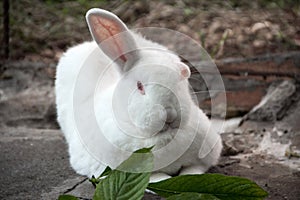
(32, 163)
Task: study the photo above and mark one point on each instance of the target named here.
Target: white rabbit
(142, 100)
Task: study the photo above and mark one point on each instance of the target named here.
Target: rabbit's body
(131, 117)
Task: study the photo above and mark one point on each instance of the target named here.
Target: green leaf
(125, 183)
(192, 196)
(144, 150)
(67, 197)
(95, 181)
(105, 172)
(122, 185)
(139, 162)
(221, 186)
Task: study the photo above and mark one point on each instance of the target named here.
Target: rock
(275, 103)
(229, 150)
(259, 43)
(260, 25)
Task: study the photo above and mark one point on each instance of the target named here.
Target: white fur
(147, 113)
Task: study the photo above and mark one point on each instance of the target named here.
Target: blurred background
(42, 29)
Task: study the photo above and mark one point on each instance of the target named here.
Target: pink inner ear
(104, 29)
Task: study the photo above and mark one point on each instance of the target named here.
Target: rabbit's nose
(171, 114)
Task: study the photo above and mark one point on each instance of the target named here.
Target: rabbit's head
(152, 95)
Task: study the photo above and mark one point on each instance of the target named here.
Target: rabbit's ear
(185, 71)
(112, 36)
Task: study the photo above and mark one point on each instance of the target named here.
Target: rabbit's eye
(140, 87)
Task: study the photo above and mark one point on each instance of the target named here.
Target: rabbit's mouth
(172, 120)
(168, 126)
